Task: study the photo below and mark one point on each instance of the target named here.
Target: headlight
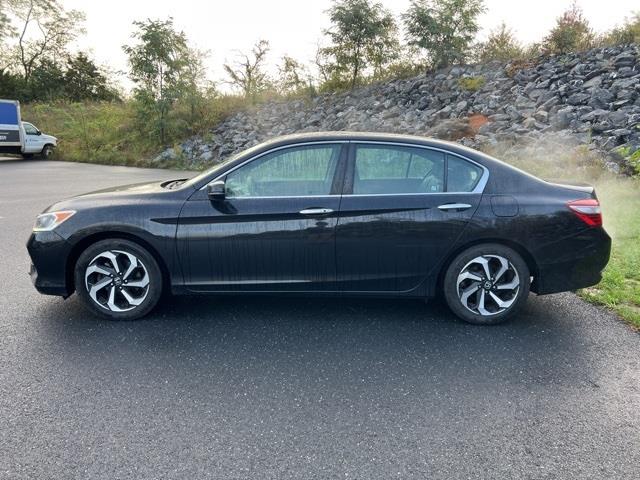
(46, 222)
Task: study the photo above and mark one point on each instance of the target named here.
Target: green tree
(46, 82)
(293, 76)
(248, 73)
(157, 61)
(571, 32)
(362, 34)
(195, 88)
(501, 44)
(44, 30)
(444, 29)
(83, 80)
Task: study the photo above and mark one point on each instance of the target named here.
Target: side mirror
(216, 190)
(39, 132)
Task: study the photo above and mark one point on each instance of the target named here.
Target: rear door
(402, 209)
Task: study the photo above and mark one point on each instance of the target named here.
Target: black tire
(146, 262)
(46, 153)
(466, 264)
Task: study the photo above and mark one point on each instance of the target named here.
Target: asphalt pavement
(254, 387)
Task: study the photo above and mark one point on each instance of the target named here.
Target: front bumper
(578, 262)
(48, 271)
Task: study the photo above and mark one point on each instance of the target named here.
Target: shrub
(501, 44)
(571, 33)
(471, 84)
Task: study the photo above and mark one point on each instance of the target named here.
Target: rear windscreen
(8, 114)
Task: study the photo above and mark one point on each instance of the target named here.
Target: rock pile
(593, 97)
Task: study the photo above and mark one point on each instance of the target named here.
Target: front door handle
(316, 211)
(454, 206)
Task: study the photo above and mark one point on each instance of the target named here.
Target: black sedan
(328, 214)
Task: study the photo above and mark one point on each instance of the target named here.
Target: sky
(293, 27)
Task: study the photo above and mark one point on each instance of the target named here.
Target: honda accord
(351, 214)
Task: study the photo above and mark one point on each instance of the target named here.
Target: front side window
(30, 129)
(381, 169)
(291, 172)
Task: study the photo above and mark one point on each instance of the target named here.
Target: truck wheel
(47, 152)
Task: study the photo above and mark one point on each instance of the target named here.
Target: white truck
(22, 138)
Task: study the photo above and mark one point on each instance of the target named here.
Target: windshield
(211, 171)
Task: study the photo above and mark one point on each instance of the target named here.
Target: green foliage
(34, 63)
(501, 44)
(620, 285)
(44, 30)
(157, 63)
(248, 74)
(444, 29)
(571, 33)
(109, 133)
(294, 78)
(83, 80)
(629, 32)
(363, 35)
(471, 84)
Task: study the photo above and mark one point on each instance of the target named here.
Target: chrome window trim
(478, 189)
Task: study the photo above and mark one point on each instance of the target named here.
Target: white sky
(293, 27)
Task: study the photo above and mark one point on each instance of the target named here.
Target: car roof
(373, 137)
(358, 136)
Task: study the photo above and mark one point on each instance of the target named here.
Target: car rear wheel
(118, 279)
(486, 284)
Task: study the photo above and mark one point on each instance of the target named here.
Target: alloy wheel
(117, 280)
(488, 285)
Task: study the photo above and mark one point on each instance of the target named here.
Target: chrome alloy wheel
(488, 285)
(117, 281)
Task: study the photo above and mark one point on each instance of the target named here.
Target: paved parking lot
(299, 388)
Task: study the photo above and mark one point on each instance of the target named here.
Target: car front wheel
(486, 284)
(118, 279)
(47, 152)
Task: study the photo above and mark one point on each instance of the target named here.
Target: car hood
(137, 192)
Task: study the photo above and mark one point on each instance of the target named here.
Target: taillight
(588, 210)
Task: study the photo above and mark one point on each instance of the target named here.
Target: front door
(32, 139)
(275, 228)
(402, 210)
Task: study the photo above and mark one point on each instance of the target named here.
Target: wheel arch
(517, 247)
(93, 238)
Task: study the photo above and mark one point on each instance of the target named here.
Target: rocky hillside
(590, 97)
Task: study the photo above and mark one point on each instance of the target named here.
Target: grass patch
(111, 133)
(620, 285)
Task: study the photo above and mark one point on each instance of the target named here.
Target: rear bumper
(578, 262)
(49, 252)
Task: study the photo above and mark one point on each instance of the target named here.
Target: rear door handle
(454, 206)
(316, 211)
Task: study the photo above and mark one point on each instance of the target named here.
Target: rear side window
(381, 169)
(462, 176)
